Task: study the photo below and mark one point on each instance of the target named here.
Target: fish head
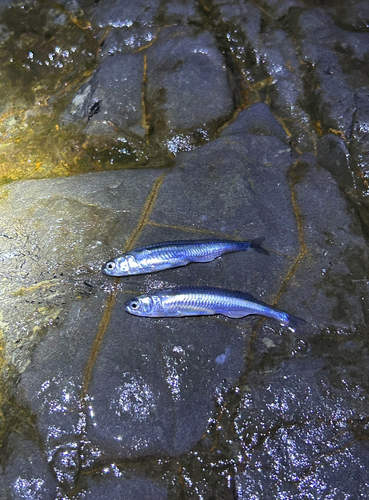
(144, 305)
(117, 267)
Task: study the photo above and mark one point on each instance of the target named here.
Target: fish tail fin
(295, 323)
(257, 246)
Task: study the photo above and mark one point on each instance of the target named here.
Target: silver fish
(198, 301)
(174, 254)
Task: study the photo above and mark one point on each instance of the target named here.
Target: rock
(55, 390)
(276, 51)
(260, 111)
(186, 64)
(359, 145)
(66, 465)
(122, 488)
(127, 39)
(233, 171)
(333, 155)
(179, 12)
(162, 381)
(152, 392)
(337, 255)
(280, 9)
(331, 97)
(288, 442)
(112, 97)
(5, 3)
(268, 61)
(315, 21)
(147, 387)
(25, 472)
(181, 62)
(257, 119)
(355, 16)
(240, 14)
(49, 57)
(120, 13)
(138, 32)
(76, 224)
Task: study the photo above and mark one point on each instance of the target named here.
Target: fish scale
(196, 301)
(175, 254)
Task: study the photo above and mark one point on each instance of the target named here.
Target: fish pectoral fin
(204, 259)
(236, 314)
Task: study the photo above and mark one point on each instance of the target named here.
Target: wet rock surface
(112, 98)
(26, 474)
(186, 63)
(256, 115)
(41, 275)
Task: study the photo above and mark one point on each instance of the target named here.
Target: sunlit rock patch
(53, 241)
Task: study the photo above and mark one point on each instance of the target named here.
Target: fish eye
(134, 305)
(110, 266)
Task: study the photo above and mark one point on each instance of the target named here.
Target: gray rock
(267, 58)
(115, 406)
(53, 382)
(337, 255)
(72, 6)
(278, 9)
(333, 155)
(139, 32)
(331, 98)
(136, 389)
(233, 172)
(124, 14)
(5, 3)
(246, 15)
(319, 29)
(257, 119)
(355, 16)
(163, 376)
(53, 243)
(179, 12)
(41, 61)
(359, 145)
(120, 13)
(287, 454)
(188, 86)
(276, 51)
(25, 472)
(314, 21)
(128, 39)
(123, 489)
(122, 96)
(111, 98)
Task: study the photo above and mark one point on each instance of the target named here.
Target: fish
(199, 301)
(175, 254)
